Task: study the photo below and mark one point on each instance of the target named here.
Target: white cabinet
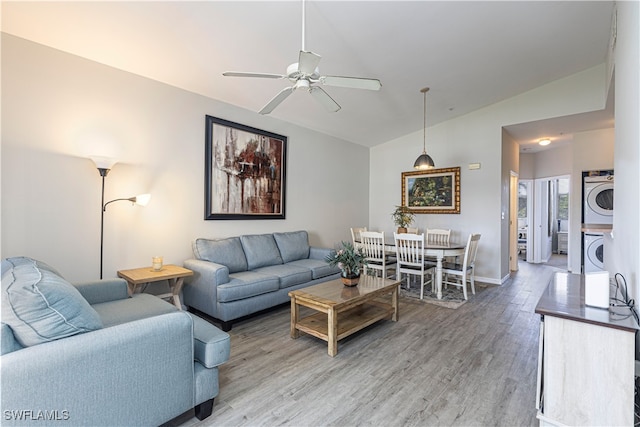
(563, 242)
(586, 359)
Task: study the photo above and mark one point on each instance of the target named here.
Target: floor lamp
(104, 165)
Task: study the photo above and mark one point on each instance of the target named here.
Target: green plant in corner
(349, 260)
(402, 216)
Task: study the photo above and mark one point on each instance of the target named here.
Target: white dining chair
(456, 274)
(438, 236)
(355, 235)
(372, 244)
(410, 258)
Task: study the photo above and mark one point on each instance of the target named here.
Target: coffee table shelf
(349, 321)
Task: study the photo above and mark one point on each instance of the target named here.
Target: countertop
(564, 298)
(596, 228)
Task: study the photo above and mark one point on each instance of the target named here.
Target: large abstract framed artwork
(432, 191)
(244, 172)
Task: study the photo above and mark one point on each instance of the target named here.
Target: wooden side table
(142, 276)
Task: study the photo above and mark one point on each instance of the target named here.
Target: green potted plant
(402, 218)
(350, 261)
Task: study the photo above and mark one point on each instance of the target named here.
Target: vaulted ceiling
(471, 54)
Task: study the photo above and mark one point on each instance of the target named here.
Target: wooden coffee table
(343, 310)
(173, 274)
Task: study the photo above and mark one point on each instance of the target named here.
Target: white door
(542, 227)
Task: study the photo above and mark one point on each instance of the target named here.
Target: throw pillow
(226, 252)
(41, 306)
(261, 250)
(293, 245)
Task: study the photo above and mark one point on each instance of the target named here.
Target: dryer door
(600, 199)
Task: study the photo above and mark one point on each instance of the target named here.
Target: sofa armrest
(319, 253)
(211, 346)
(200, 291)
(98, 291)
(137, 373)
(216, 274)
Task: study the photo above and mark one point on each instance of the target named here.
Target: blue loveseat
(90, 355)
(239, 276)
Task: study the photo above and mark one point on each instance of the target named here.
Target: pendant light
(424, 161)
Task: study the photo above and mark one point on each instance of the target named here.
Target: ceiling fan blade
(323, 98)
(276, 100)
(308, 62)
(351, 82)
(262, 75)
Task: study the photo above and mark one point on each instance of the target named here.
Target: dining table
(437, 250)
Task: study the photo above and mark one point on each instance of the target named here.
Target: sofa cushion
(246, 284)
(292, 245)
(8, 342)
(261, 250)
(227, 252)
(288, 275)
(41, 306)
(139, 306)
(319, 268)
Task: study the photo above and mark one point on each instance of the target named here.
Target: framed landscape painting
(432, 191)
(245, 171)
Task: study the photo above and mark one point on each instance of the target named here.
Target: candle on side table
(156, 263)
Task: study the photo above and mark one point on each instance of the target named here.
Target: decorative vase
(350, 280)
(402, 230)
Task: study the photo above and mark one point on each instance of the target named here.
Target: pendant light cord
(424, 124)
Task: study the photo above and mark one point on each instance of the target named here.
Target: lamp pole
(103, 173)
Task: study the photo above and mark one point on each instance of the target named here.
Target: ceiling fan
(304, 74)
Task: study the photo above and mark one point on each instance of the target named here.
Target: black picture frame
(245, 172)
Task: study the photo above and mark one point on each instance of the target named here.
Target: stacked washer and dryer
(597, 217)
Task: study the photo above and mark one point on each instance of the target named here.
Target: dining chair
(456, 274)
(355, 235)
(372, 244)
(411, 261)
(438, 236)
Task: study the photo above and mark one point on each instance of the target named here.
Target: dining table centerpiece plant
(350, 260)
(402, 218)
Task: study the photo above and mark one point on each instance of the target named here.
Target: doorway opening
(543, 221)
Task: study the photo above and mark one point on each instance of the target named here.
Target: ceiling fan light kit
(305, 74)
(424, 161)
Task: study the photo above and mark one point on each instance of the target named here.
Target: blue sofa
(88, 354)
(239, 276)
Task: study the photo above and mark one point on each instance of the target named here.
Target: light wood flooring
(473, 366)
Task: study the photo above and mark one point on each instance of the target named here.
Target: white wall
(554, 162)
(626, 218)
(56, 107)
(510, 165)
(527, 166)
(477, 137)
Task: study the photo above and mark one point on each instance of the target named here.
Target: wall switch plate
(473, 166)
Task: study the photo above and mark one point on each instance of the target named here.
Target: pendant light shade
(424, 161)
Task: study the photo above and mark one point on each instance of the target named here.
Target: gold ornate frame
(432, 191)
